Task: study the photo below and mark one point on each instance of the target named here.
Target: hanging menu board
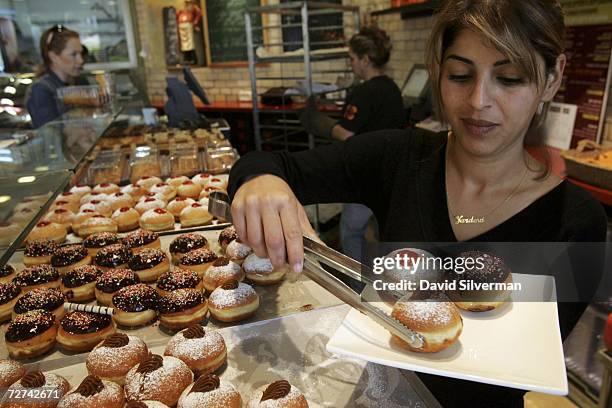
(586, 78)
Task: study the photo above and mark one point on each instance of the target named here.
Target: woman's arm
(267, 210)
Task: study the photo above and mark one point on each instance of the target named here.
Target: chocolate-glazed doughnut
(99, 240)
(39, 252)
(70, 256)
(113, 256)
(140, 239)
(182, 308)
(7, 273)
(178, 279)
(37, 276)
(81, 331)
(185, 243)
(51, 300)
(227, 235)
(31, 334)
(9, 292)
(149, 264)
(111, 281)
(135, 305)
(78, 284)
(198, 260)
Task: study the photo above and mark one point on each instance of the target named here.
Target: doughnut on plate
(518, 345)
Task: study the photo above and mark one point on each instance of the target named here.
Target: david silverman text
(465, 284)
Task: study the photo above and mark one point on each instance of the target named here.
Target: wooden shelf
(412, 10)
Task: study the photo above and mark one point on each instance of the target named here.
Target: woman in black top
(61, 51)
(374, 104)
(494, 66)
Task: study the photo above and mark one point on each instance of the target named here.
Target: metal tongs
(315, 254)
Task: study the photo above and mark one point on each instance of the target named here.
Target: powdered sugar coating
(10, 370)
(144, 206)
(221, 397)
(255, 264)
(225, 298)
(288, 400)
(52, 381)
(170, 378)
(104, 359)
(189, 350)
(237, 250)
(111, 394)
(152, 214)
(429, 312)
(224, 272)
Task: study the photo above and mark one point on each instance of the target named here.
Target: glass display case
(23, 199)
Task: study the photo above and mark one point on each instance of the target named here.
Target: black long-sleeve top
(400, 176)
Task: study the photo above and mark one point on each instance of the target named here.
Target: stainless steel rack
(280, 129)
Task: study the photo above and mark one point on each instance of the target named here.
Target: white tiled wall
(224, 84)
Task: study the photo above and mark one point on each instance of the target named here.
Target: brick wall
(224, 84)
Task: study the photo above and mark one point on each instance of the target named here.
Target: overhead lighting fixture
(10, 90)
(25, 81)
(6, 101)
(26, 179)
(42, 168)
(4, 198)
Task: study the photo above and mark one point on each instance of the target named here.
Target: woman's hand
(270, 219)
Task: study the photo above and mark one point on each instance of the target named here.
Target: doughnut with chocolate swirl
(113, 357)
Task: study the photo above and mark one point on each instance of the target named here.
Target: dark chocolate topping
(68, 255)
(136, 298)
(6, 270)
(40, 298)
(194, 332)
(81, 275)
(206, 383)
(277, 390)
(494, 269)
(221, 261)
(115, 279)
(90, 386)
(178, 279)
(36, 275)
(139, 238)
(150, 364)
(40, 247)
(116, 340)
(33, 379)
(8, 292)
(112, 256)
(230, 285)
(78, 322)
(101, 239)
(227, 235)
(179, 300)
(28, 325)
(198, 257)
(146, 259)
(188, 242)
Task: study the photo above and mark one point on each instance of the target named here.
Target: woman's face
(488, 102)
(70, 60)
(358, 65)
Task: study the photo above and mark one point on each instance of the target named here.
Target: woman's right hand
(269, 218)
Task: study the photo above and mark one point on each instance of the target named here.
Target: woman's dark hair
(54, 39)
(373, 42)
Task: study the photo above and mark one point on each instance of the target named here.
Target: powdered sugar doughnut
(210, 392)
(279, 394)
(222, 271)
(237, 251)
(113, 357)
(233, 301)
(202, 349)
(261, 272)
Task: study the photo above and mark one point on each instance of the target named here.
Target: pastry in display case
(145, 161)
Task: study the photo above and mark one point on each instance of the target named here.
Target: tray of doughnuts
(178, 203)
(278, 362)
(139, 283)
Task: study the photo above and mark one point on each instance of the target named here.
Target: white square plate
(519, 345)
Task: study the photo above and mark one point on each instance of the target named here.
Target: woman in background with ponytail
(374, 104)
(61, 51)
